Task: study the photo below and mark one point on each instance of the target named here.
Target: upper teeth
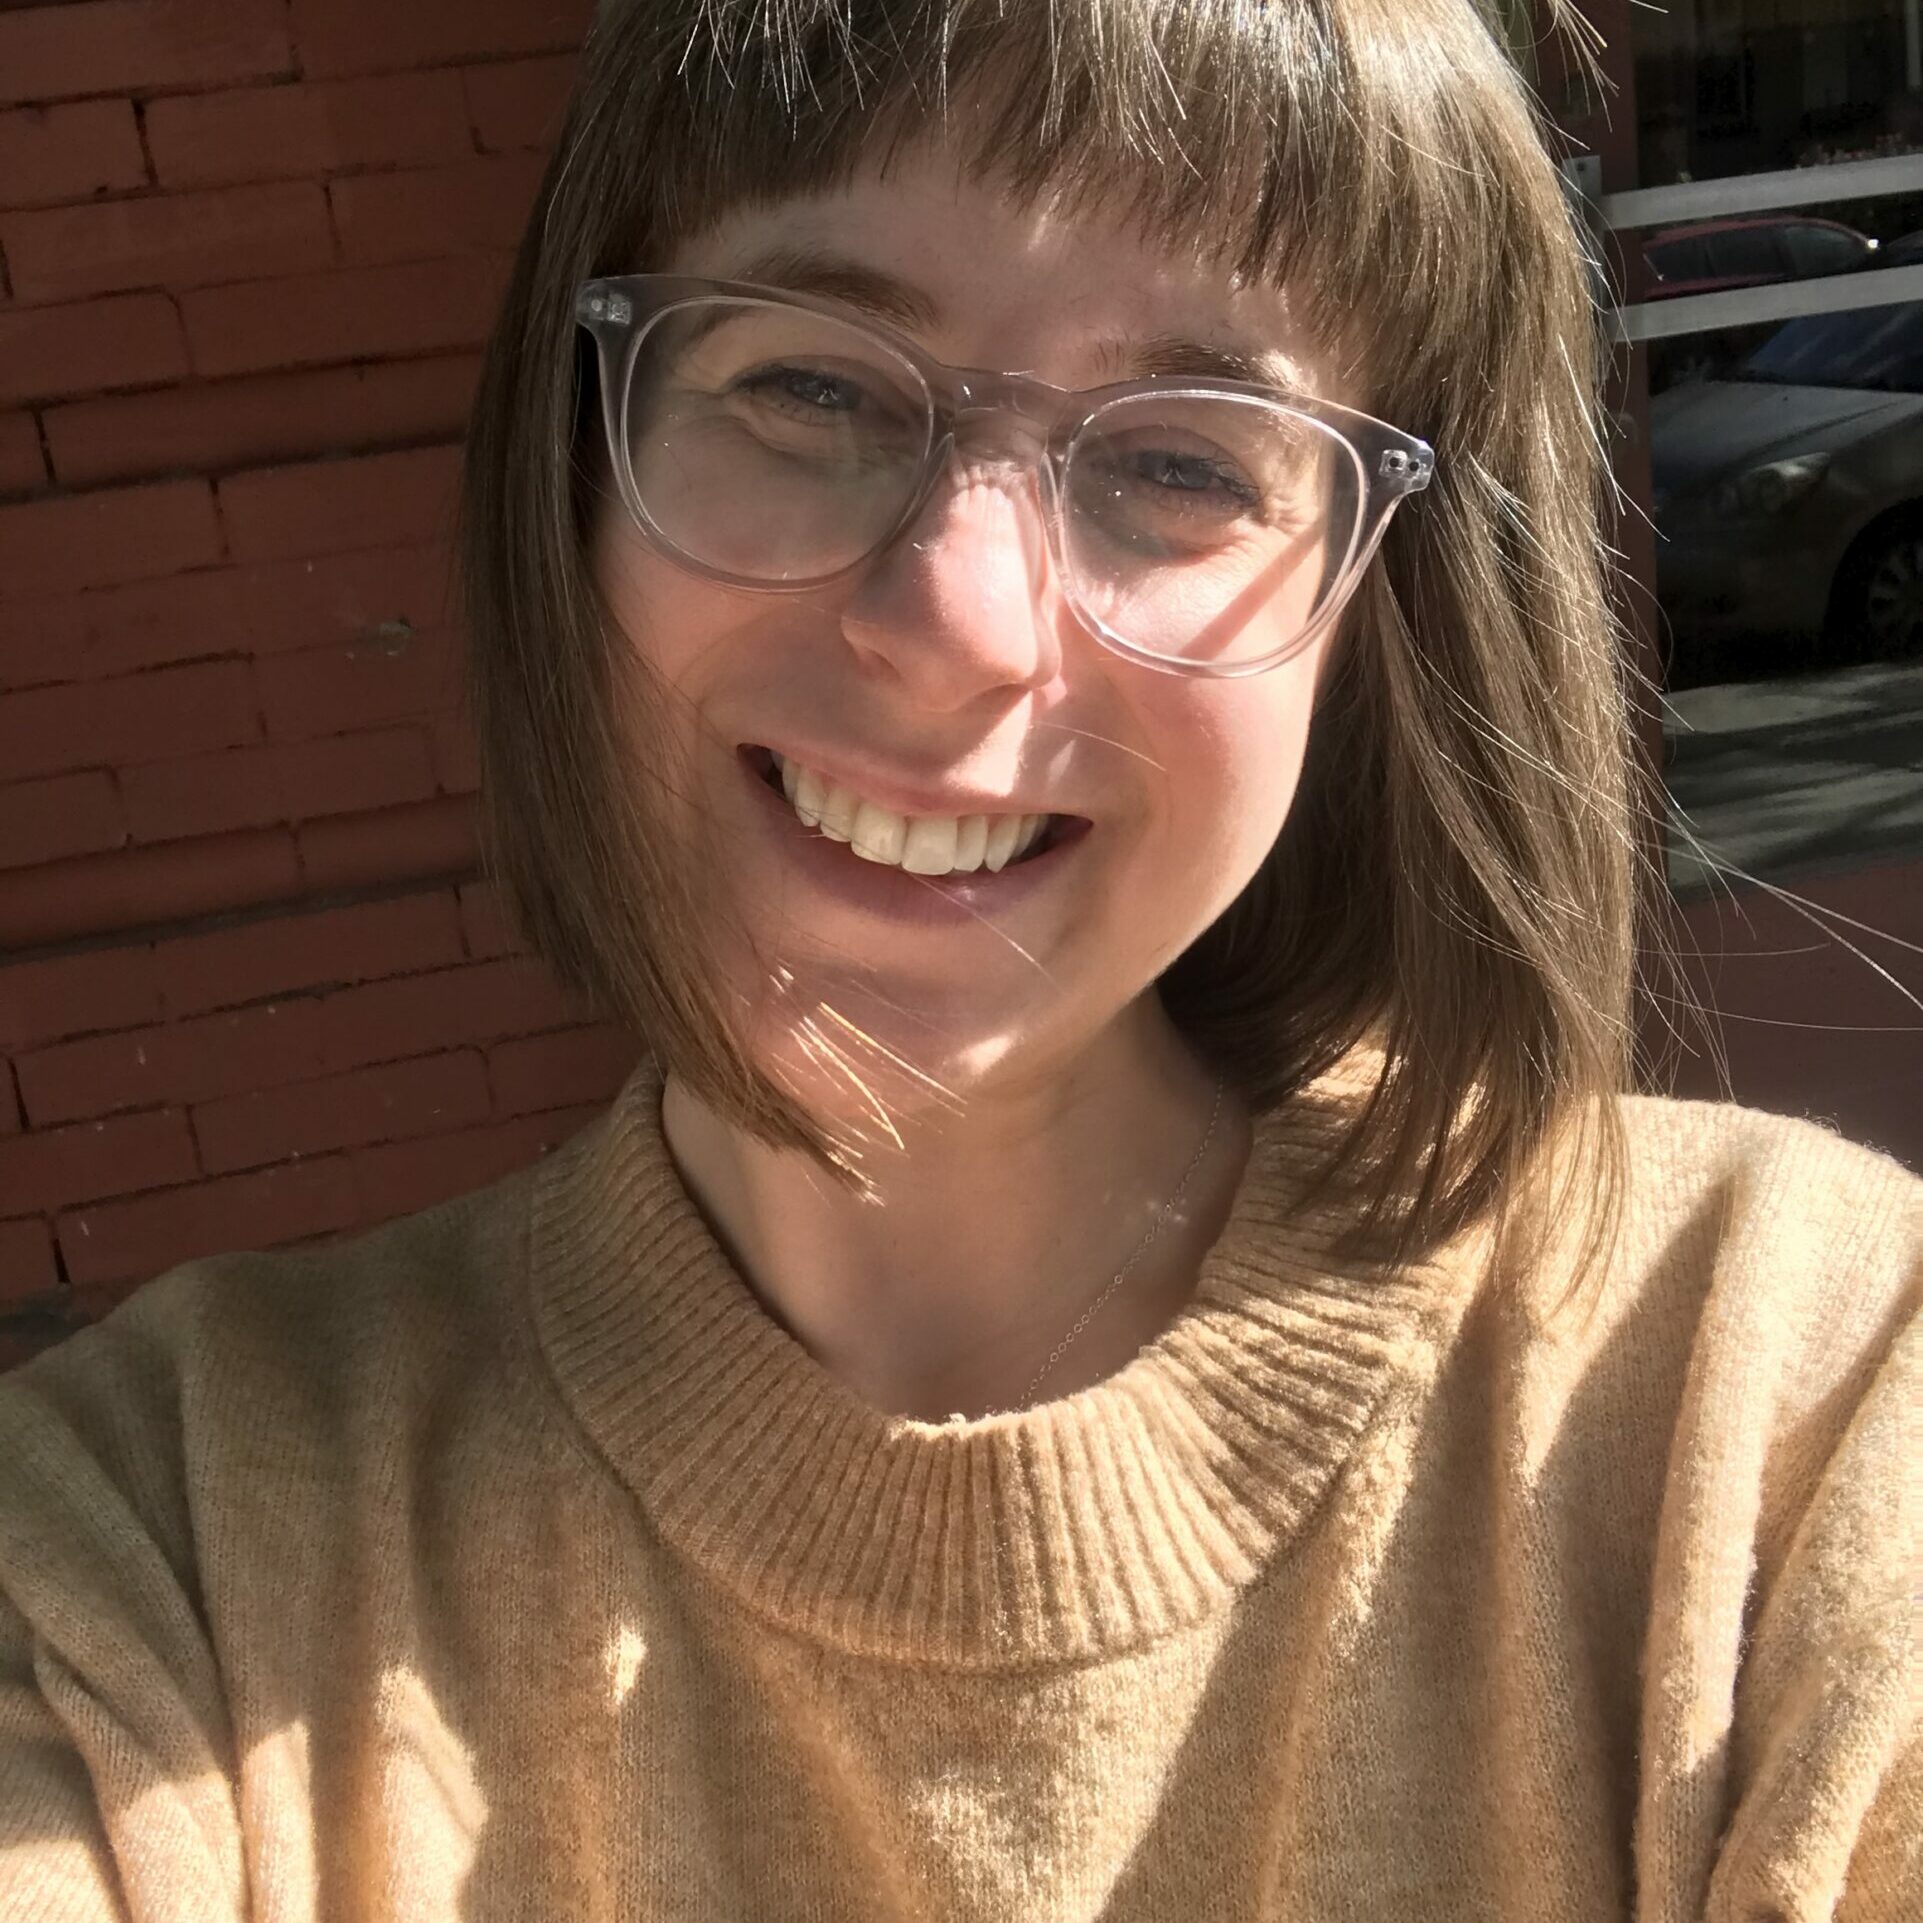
(922, 844)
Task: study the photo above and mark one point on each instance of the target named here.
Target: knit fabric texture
(511, 1562)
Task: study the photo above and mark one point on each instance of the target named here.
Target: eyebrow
(835, 277)
(1176, 355)
(900, 303)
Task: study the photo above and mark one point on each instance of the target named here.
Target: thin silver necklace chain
(1141, 1248)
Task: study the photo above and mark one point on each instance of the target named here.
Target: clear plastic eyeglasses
(778, 441)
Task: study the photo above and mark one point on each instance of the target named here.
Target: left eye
(1193, 474)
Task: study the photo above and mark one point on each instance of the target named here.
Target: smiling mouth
(928, 846)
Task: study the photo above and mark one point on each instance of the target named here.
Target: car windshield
(1870, 347)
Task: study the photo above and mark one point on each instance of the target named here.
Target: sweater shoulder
(1766, 1245)
(259, 1353)
(1775, 1178)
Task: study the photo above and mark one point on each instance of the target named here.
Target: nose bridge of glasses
(980, 406)
(990, 420)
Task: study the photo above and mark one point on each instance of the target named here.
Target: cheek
(1234, 751)
(655, 605)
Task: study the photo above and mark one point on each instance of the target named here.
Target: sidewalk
(1796, 776)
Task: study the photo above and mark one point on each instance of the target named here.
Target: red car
(1709, 256)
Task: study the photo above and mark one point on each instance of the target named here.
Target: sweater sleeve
(1781, 1757)
(1827, 1721)
(116, 1797)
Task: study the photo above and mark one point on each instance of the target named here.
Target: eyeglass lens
(771, 444)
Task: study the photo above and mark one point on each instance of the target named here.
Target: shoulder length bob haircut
(1452, 898)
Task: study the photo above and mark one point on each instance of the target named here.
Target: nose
(962, 601)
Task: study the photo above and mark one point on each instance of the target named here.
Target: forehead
(984, 280)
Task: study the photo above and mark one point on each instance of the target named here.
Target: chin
(853, 1047)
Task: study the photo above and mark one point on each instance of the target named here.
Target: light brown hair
(1454, 887)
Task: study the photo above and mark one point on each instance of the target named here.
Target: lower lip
(879, 888)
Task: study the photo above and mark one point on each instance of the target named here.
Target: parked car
(1789, 494)
(1710, 256)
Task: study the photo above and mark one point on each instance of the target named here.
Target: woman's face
(948, 678)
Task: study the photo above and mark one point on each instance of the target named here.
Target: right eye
(799, 392)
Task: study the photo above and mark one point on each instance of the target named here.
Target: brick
(430, 213)
(50, 155)
(23, 467)
(392, 1102)
(175, 711)
(449, 1008)
(300, 131)
(50, 820)
(48, 641)
(207, 794)
(296, 781)
(27, 1267)
(198, 1060)
(361, 313)
(354, 773)
(118, 46)
(169, 240)
(11, 1120)
(425, 841)
(127, 340)
(331, 507)
(400, 1178)
(287, 1041)
(44, 1001)
(118, 1240)
(259, 420)
(95, 540)
(457, 756)
(373, 594)
(263, 608)
(553, 1071)
(134, 888)
(519, 103)
(374, 36)
(331, 690)
(53, 1167)
(90, 1305)
(368, 941)
(484, 923)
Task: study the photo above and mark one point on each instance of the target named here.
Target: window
(1880, 348)
(1679, 259)
(1822, 250)
(1745, 253)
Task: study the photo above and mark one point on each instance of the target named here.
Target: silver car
(1789, 493)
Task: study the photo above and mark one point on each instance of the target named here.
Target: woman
(1126, 1357)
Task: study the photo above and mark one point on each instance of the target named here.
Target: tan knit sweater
(512, 1563)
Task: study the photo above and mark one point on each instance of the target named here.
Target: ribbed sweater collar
(1080, 1528)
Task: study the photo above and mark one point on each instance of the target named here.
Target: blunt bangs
(1334, 150)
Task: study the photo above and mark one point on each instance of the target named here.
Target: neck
(991, 1232)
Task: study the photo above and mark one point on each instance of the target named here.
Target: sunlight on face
(949, 670)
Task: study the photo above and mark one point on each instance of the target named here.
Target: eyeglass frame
(619, 310)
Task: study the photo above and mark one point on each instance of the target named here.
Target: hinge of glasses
(1398, 464)
(602, 305)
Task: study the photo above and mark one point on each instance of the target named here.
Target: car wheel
(1879, 591)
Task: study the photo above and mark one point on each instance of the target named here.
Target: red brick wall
(251, 991)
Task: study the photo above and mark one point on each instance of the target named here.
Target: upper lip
(906, 795)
